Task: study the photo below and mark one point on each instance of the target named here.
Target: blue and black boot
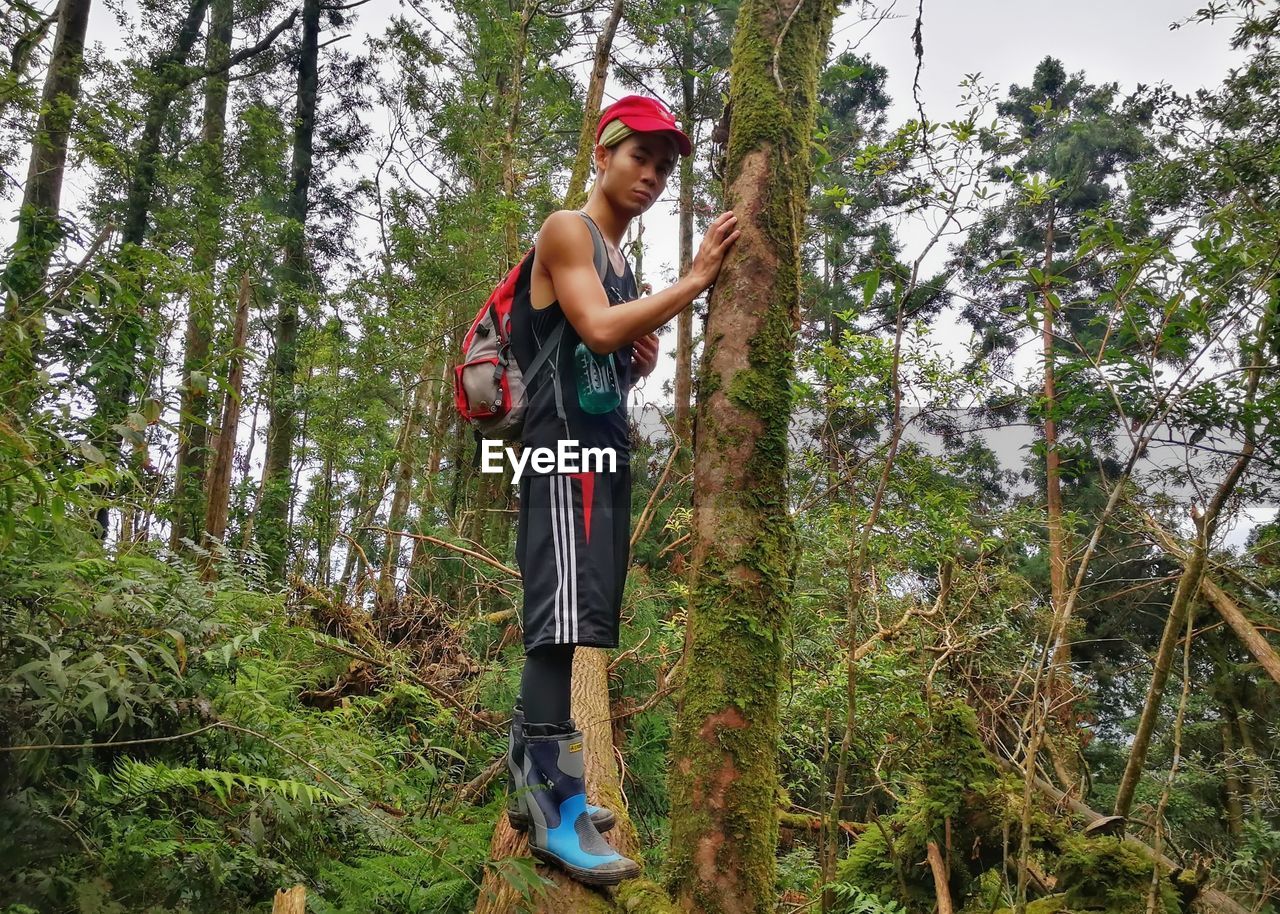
(561, 829)
(517, 792)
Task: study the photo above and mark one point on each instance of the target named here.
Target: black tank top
(529, 327)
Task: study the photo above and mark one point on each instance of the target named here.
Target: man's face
(635, 172)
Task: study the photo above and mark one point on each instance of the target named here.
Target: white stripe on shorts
(573, 557)
(555, 541)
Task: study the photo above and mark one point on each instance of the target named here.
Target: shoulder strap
(552, 343)
(597, 242)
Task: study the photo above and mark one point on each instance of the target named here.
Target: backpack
(488, 386)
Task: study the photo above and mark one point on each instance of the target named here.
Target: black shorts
(573, 545)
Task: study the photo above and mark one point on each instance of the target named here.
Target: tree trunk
(134, 343)
(1059, 677)
(724, 775)
(218, 495)
(1193, 570)
(577, 194)
(684, 320)
(406, 468)
(1234, 806)
(273, 527)
(193, 423)
(38, 229)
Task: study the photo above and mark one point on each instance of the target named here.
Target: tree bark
(577, 194)
(273, 527)
(941, 887)
(406, 468)
(1231, 786)
(724, 775)
(193, 422)
(1253, 640)
(1193, 571)
(684, 320)
(38, 228)
(218, 489)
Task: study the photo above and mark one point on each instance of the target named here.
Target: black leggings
(544, 685)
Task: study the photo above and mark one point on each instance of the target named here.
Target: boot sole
(586, 877)
(520, 822)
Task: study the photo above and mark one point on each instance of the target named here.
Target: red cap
(644, 115)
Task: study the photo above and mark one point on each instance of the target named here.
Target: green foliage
(852, 900)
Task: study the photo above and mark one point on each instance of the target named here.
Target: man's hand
(644, 355)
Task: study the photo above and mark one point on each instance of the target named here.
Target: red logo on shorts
(588, 481)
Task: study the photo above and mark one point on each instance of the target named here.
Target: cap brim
(642, 124)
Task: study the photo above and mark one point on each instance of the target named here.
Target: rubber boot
(604, 819)
(562, 832)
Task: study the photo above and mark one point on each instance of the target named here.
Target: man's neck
(612, 224)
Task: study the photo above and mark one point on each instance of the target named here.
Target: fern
(853, 900)
(133, 779)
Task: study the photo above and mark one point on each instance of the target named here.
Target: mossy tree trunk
(193, 423)
(273, 525)
(38, 227)
(724, 773)
(218, 486)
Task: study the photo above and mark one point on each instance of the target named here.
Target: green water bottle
(598, 388)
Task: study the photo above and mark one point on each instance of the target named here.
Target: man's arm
(565, 250)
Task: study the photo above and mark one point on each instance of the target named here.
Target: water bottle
(598, 388)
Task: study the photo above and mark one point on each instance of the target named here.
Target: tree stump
(292, 901)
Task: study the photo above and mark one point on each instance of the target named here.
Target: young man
(573, 541)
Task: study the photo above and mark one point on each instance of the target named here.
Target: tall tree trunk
(1231, 786)
(1193, 570)
(490, 520)
(1059, 676)
(577, 194)
(1251, 758)
(724, 774)
(38, 228)
(193, 422)
(134, 345)
(218, 488)
(406, 470)
(273, 526)
(684, 320)
(514, 98)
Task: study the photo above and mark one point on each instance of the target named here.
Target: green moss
(639, 896)
(724, 776)
(1112, 875)
(956, 781)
